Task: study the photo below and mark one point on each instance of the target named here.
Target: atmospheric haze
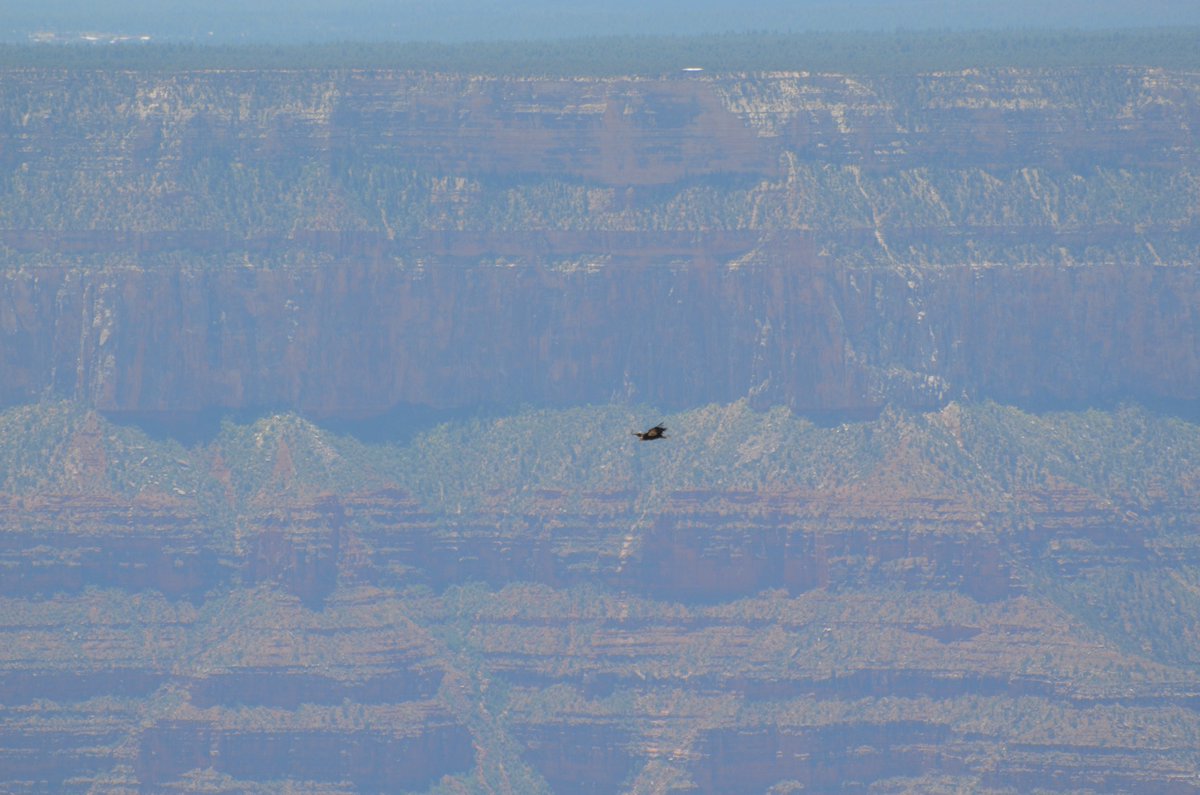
(320, 369)
(280, 21)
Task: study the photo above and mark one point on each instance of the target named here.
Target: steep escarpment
(348, 243)
(353, 341)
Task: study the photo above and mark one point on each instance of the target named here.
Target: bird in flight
(657, 432)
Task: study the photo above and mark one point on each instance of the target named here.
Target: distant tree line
(845, 52)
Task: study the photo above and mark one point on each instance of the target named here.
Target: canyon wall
(349, 243)
(944, 600)
(359, 341)
(927, 348)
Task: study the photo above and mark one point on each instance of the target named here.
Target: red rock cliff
(348, 242)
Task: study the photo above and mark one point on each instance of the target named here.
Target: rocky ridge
(917, 602)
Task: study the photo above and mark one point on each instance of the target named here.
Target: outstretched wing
(657, 432)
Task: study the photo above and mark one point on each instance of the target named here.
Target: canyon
(316, 392)
(871, 606)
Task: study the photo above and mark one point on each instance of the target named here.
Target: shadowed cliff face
(352, 341)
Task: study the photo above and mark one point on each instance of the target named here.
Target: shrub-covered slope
(975, 598)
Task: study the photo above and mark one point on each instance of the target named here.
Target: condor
(657, 432)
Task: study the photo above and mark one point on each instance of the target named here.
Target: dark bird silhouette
(657, 432)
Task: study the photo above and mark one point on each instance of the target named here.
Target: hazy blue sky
(459, 20)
